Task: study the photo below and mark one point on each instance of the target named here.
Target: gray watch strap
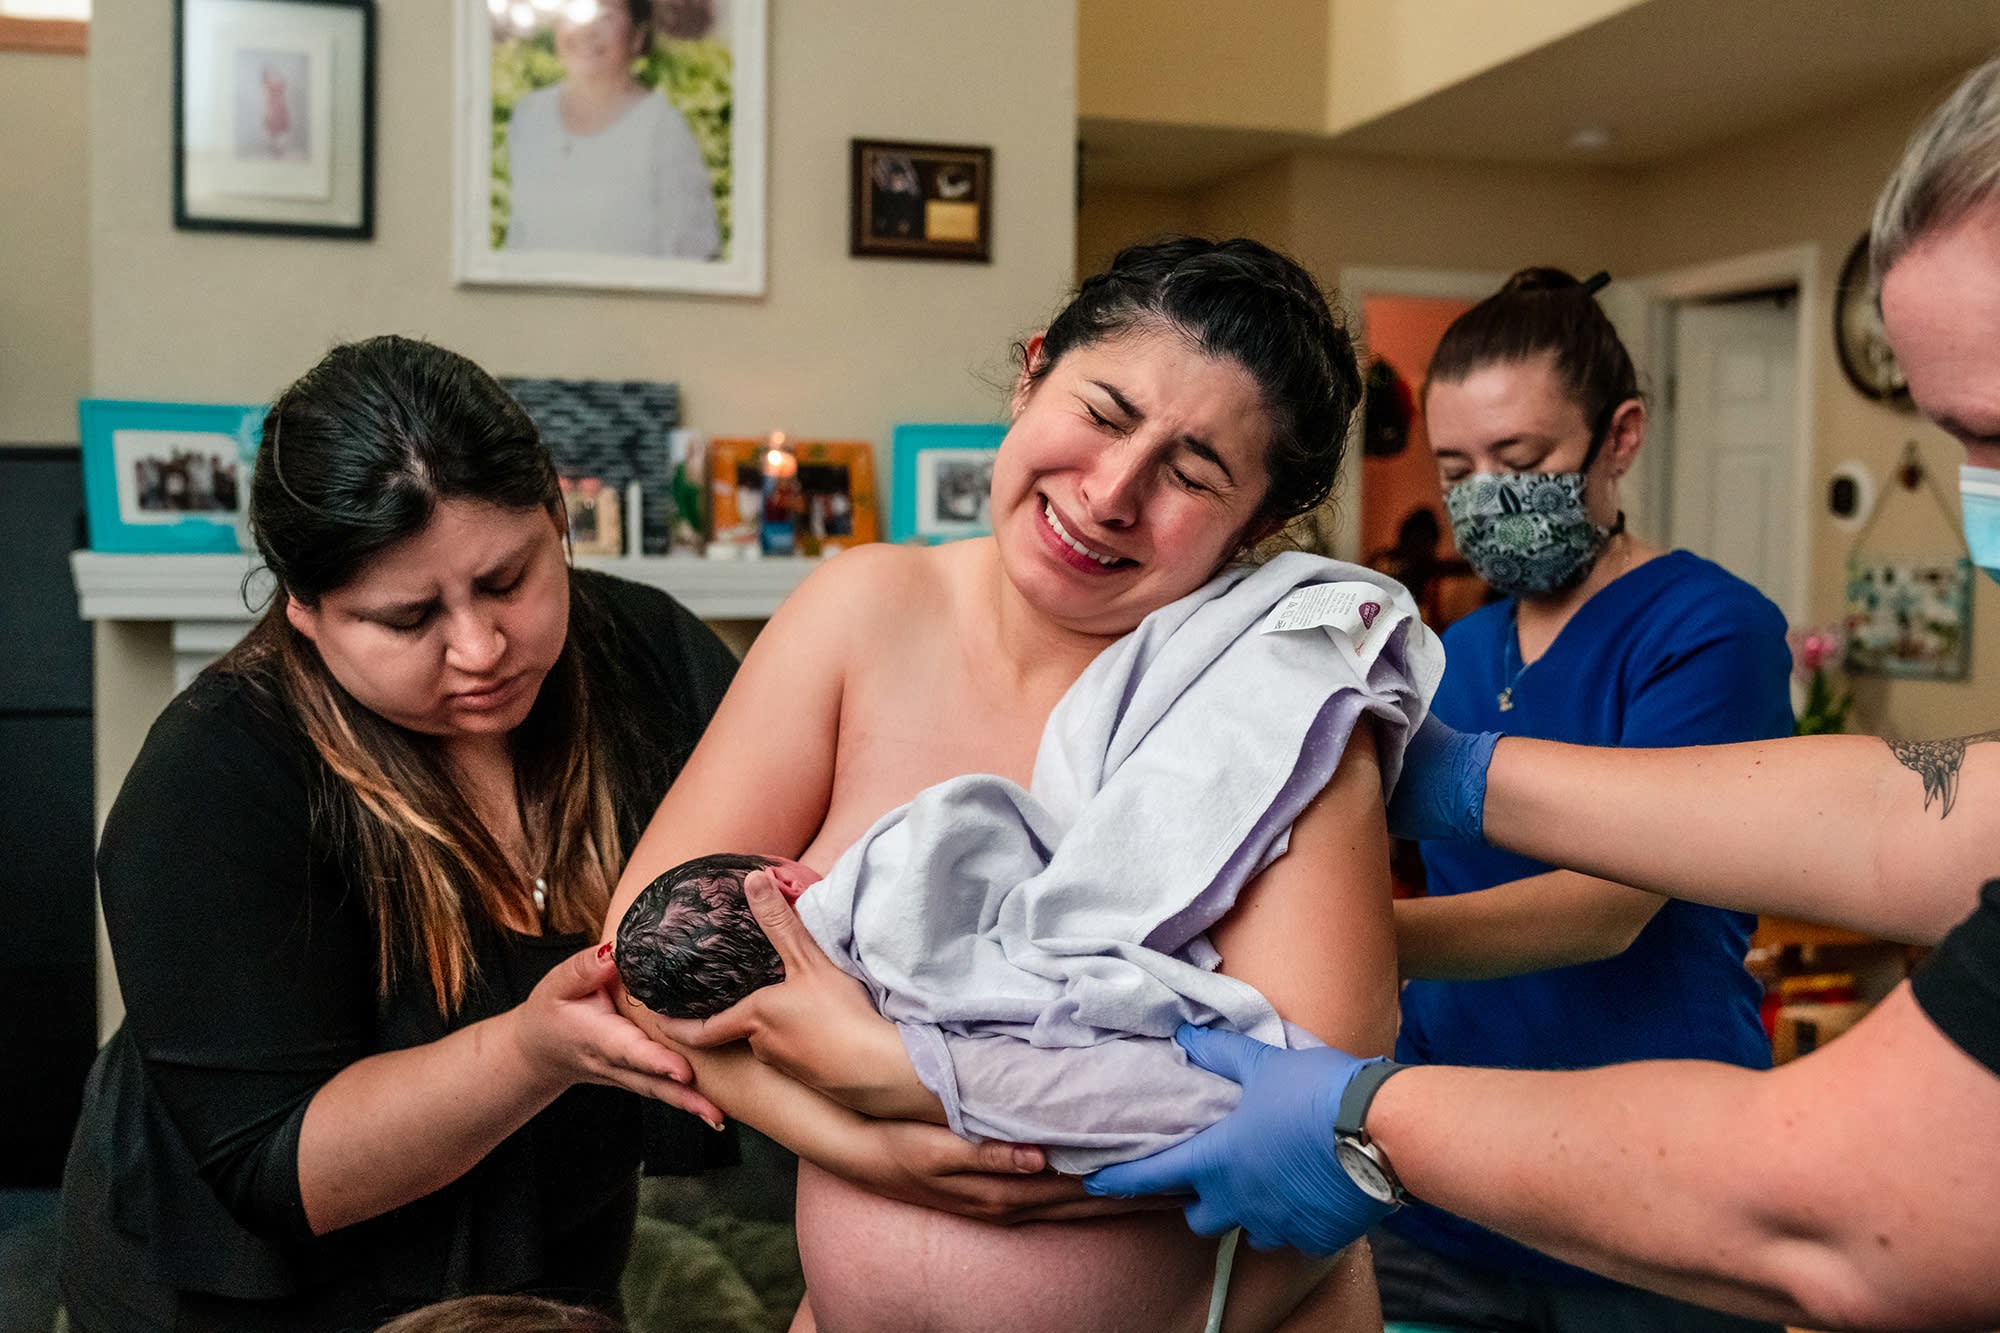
(1361, 1089)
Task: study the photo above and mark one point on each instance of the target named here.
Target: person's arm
(1549, 920)
(1892, 839)
(685, 204)
(248, 972)
(1314, 932)
(1841, 1190)
(446, 1104)
(1716, 674)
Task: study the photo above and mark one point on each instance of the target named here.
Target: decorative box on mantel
(208, 598)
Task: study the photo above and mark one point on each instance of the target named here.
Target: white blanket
(1039, 948)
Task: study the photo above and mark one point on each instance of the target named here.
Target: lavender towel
(1038, 948)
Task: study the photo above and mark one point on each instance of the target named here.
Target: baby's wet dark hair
(689, 946)
(1244, 301)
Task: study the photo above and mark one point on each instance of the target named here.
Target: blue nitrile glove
(1267, 1166)
(1441, 792)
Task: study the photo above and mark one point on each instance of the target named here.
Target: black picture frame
(920, 201)
(313, 172)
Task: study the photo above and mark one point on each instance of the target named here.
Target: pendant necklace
(1507, 668)
(541, 894)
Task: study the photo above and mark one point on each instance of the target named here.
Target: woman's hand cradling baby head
(818, 1025)
(569, 1032)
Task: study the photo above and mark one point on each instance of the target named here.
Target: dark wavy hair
(1241, 300)
(357, 454)
(689, 946)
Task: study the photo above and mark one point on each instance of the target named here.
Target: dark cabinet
(48, 1021)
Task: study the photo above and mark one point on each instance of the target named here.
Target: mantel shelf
(226, 588)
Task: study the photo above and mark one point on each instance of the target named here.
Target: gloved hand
(1267, 1166)
(1441, 792)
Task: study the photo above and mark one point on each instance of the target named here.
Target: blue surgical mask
(1979, 504)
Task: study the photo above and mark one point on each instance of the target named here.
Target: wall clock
(1857, 333)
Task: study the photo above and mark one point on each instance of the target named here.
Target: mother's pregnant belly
(873, 1265)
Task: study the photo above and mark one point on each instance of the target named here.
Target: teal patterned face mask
(1526, 533)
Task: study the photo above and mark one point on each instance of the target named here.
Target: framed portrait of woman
(611, 144)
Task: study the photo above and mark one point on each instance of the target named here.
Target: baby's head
(689, 946)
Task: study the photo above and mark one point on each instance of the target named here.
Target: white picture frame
(620, 241)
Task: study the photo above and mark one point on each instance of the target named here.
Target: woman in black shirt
(368, 1059)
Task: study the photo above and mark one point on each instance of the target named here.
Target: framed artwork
(920, 200)
(836, 485)
(1909, 618)
(944, 475)
(168, 477)
(274, 116)
(611, 144)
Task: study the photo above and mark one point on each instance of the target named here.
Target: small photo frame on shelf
(836, 485)
(920, 200)
(274, 116)
(594, 524)
(168, 477)
(944, 474)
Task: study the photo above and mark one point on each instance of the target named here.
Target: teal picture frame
(162, 478)
(939, 479)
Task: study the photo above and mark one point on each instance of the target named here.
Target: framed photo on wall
(168, 476)
(611, 144)
(274, 116)
(944, 475)
(920, 200)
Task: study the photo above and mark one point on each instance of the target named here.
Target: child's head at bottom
(689, 946)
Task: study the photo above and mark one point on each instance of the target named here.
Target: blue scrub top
(1676, 652)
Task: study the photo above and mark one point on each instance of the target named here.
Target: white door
(1734, 441)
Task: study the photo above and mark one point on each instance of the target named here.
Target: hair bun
(1541, 280)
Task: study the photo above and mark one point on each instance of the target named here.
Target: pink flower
(1815, 649)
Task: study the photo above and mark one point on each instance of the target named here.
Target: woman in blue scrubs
(1534, 414)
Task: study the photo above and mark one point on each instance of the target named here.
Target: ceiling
(1666, 78)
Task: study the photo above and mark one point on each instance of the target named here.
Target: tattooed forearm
(1936, 762)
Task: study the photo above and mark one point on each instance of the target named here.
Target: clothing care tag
(1360, 614)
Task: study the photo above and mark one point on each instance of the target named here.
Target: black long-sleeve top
(247, 960)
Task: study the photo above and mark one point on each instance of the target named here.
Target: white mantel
(211, 600)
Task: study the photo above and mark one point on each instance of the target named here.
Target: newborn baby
(1037, 947)
(688, 946)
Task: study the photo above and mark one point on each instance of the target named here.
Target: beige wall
(44, 246)
(1188, 62)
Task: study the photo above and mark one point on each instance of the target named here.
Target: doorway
(1725, 349)
(1393, 505)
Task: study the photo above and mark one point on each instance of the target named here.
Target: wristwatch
(1361, 1157)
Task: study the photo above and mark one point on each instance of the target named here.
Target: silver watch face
(1362, 1168)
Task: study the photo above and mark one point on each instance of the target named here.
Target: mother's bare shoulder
(870, 593)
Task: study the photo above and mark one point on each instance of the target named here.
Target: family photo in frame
(168, 477)
(611, 144)
(944, 479)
